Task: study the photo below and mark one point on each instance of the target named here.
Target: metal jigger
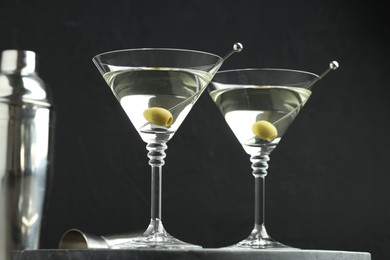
(77, 239)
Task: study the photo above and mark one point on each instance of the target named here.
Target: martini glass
(259, 105)
(157, 88)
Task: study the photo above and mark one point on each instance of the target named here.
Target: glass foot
(155, 242)
(155, 237)
(259, 239)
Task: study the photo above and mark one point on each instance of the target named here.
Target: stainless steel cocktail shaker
(25, 141)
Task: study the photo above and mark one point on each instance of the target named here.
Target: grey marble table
(199, 254)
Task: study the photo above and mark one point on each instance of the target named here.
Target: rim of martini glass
(96, 57)
(267, 69)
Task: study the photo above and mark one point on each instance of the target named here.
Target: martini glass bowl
(258, 106)
(157, 87)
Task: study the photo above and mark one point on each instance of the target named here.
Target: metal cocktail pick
(334, 65)
(237, 47)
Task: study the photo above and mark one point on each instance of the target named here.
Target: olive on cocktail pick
(158, 116)
(264, 130)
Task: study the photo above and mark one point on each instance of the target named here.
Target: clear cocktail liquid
(242, 107)
(173, 89)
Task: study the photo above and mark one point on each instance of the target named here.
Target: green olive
(158, 116)
(264, 130)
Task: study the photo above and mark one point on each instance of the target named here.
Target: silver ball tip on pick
(237, 47)
(334, 65)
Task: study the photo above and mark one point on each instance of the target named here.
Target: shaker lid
(19, 82)
(22, 61)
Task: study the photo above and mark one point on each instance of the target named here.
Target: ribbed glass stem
(259, 237)
(259, 166)
(155, 235)
(156, 156)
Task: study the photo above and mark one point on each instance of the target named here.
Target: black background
(328, 182)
